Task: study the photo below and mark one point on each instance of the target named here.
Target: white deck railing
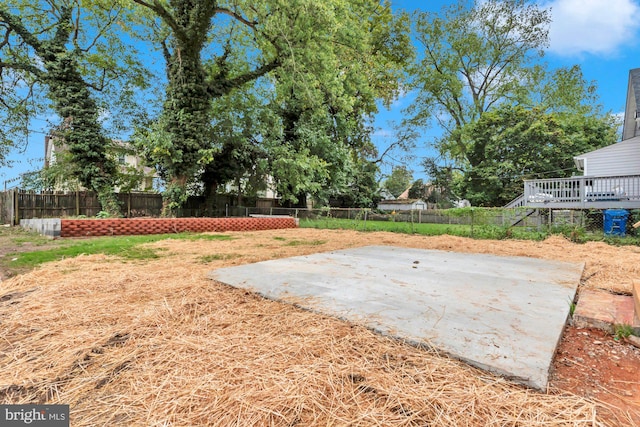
(583, 190)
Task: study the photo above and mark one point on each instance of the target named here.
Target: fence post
(77, 203)
(12, 206)
(246, 210)
(296, 214)
(129, 206)
(16, 208)
(472, 221)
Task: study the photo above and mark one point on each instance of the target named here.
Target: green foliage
(509, 144)
(364, 191)
(463, 73)
(622, 331)
(299, 116)
(66, 54)
(326, 94)
(563, 90)
(445, 181)
(572, 308)
(398, 181)
(126, 247)
(418, 190)
(206, 259)
(574, 233)
(189, 28)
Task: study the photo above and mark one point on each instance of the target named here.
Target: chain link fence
(502, 222)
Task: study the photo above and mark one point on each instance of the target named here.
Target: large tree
(58, 56)
(510, 144)
(328, 63)
(326, 98)
(186, 31)
(472, 58)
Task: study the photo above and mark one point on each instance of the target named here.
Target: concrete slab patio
(501, 314)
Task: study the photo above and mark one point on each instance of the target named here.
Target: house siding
(630, 128)
(620, 159)
(400, 205)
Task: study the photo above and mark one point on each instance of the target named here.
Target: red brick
(74, 228)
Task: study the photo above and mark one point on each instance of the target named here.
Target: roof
(632, 105)
(634, 81)
(405, 194)
(399, 201)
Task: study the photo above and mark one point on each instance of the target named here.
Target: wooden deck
(583, 192)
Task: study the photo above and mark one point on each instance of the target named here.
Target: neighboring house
(405, 194)
(631, 127)
(386, 195)
(131, 165)
(402, 205)
(619, 159)
(611, 175)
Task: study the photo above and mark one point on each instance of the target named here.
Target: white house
(619, 159)
(610, 175)
(129, 163)
(402, 205)
(622, 158)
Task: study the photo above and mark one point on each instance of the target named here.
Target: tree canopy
(514, 143)
(398, 181)
(286, 91)
(473, 59)
(59, 56)
(327, 63)
(485, 59)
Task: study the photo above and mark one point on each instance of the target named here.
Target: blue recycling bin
(615, 222)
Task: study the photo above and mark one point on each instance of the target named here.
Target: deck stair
(521, 215)
(518, 202)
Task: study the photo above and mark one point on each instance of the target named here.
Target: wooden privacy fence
(7, 204)
(16, 205)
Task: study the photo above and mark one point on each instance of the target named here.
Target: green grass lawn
(127, 247)
(575, 234)
(477, 231)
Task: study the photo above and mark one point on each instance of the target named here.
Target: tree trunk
(174, 196)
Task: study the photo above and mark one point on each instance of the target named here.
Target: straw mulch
(157, 343)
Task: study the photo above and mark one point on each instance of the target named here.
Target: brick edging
(137, 226)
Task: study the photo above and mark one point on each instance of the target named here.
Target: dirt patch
(14, 240)
(593, 364)
(156, 342)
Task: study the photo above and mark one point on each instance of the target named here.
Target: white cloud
(599, 27)
(400, 98)
(104, 115)
(383, 133)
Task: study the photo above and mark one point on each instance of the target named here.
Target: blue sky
(602, 36)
